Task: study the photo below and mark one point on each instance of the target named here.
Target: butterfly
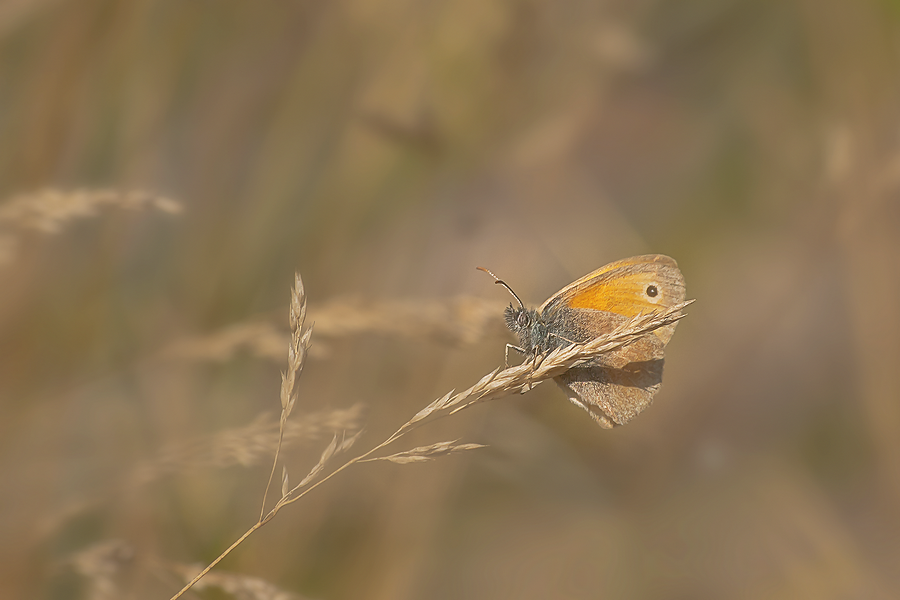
(618, 385)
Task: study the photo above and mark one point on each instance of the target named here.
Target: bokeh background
(383, 149)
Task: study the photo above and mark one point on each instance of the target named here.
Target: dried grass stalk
(497, 384)
(46, 210)
(522, 378)
(460, 320)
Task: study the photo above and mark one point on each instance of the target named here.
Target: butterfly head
(529, 327)
(526, 323)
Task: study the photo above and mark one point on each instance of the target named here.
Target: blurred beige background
(383, 150)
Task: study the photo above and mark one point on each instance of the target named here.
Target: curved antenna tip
(489, 273)
(499, 281)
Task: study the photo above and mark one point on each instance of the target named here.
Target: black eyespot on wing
(652, 291)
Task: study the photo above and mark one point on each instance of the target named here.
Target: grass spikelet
(297, 352)
(245, 446)
(285, 481)
(426, 453)
(101, 566)
(327, 453)
(333, 448)
(459, 320)
(238, 586)
(260, 338)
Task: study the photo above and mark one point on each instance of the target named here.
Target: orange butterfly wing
(640, 284)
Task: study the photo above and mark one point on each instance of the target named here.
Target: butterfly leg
(506, 354)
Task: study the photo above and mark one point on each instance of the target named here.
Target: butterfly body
(618, 385)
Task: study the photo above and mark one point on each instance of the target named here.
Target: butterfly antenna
(504, 284)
